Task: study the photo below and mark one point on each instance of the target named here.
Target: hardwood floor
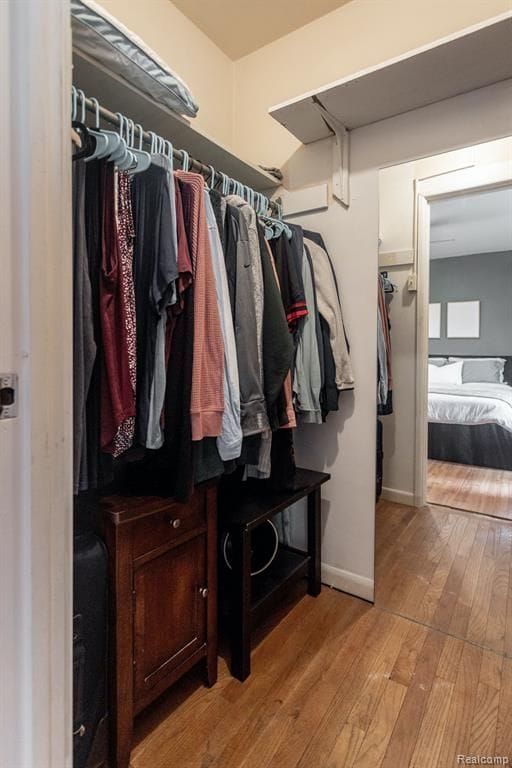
(476, 489)
(422, 676)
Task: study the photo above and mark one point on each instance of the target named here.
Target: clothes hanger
(123, 159)
(185, 160)
(262, 208)
(79, 126)
(75, 136)
(87, 143)
(154, 148)
(155, 144)
(101, 139)
(225, 184)
(73, 102)
(210, 185)
(142, 158)
(169, 152)
(113, 141)
(278, 225)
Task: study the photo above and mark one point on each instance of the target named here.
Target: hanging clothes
(164, 296)
(229, 442)
(253, 414)
(385, 380)
(307, 380)
(285, 412)
(329, 394)
(207, 396)
(84, 345)
(185, 278)
(277, 351)
(155, 270)
(330, 308)
(290, 280)
(195, 336)
(253, 256)
(118, 405)
(96, 467)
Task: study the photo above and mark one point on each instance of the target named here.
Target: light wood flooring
(412, 682)
(476, 489)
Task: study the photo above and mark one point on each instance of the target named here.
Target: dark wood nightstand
(163, 588)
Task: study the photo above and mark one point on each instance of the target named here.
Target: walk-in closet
(217, 547)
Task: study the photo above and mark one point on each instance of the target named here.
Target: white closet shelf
(118, 95)
(473, 58)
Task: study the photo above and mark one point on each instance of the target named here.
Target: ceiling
(239, 27)
(477, 223)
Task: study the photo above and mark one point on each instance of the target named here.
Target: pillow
(445, 374)
(488, 370)
(103, 38)
(437, 361)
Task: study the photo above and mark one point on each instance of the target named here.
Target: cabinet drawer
(168, 524)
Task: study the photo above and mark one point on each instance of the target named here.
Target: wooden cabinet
(163, 587)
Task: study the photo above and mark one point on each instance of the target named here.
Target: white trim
(472, 179)
(36, 447)
(423, 299)
(346, 581)
(399, 497)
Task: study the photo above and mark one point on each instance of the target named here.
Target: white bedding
(471, 404)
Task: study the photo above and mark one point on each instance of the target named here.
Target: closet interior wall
(346, 445)
(202, 65)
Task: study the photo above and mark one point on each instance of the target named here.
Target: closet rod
(178, 154)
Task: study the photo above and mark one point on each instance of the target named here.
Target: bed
(471, 422)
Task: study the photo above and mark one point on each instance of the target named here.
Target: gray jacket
(245, 261)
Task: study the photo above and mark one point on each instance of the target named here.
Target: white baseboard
(399, 497)
(346, 581)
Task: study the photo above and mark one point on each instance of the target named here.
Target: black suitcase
(90, 632)
(380, 457)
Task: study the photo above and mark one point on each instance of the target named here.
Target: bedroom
(470, 353)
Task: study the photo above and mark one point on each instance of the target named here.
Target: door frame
(452, 184)
(36, 500)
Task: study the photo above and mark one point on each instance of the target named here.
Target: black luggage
(90, 632)
(380, 457)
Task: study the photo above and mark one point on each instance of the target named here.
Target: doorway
(469, 464)
(464, 411)
(438, 565)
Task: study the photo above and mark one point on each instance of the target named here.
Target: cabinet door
(169, 612)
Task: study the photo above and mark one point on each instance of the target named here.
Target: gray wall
(487, 278)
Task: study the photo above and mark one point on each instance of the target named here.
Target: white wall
(205, 68)
(345, 446)
(396, 229)
(234, 96)
(360, 34)
(36, 342)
